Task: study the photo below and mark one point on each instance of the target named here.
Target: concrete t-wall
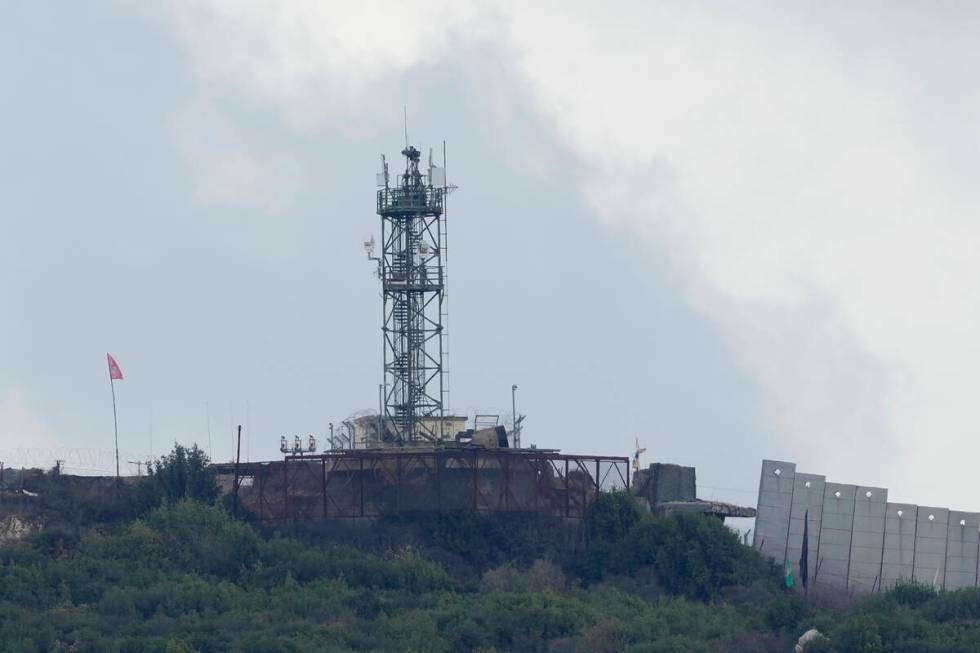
(808, 492)
(867, 539)
(962, 536)
(834, 551)
(774, 508)
(859, 541)
(929, 564)
(899, 543)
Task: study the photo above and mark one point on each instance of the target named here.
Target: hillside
(177, 574)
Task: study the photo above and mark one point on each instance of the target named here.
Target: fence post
(566, 488)
(238, 457)
(285, 487)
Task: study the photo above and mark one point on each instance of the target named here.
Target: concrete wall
(899, 544)
(834, 550)
(867, 540)
(808, 499)
(962, 537)
(775, 505)
(663, 482)
(929, 565)
(858, 540)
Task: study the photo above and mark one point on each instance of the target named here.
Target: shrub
(611, 517)
(961, 604)
(912, 593)
(694, 555)
(784, 612)
(860, 634)
(182, 474)
(204, 538)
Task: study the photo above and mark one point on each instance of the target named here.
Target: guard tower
(413, 282)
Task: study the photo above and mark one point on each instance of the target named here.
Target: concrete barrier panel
(808, 492)
(858, 540)
(864, 571)
(834, 551)
(899, 543)
(775, 506)
(931, 529)
(962, 536)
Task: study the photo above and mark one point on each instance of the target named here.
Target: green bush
(187, 576)
(961, 605)
(912, 593)
(611, 517)
(184, 473)
(693, 555)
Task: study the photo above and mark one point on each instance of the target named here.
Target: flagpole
(115, 424)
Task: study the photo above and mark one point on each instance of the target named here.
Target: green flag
(789, 575)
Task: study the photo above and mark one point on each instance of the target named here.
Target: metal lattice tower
(412, 272)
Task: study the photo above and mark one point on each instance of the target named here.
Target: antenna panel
(438, 177)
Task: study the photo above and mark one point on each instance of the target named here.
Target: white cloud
(316, 59)
(815, 215)
(226, 170)
(19, 424)
(809, 172)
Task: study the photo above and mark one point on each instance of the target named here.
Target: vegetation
(182, 474)
(178, 573)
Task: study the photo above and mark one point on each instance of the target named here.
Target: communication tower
(413, 281)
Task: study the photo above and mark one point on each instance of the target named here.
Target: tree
(183, 474)
(611, 517)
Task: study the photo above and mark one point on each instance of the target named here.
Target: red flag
(114, 372)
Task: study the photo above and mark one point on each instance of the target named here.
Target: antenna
(207, 417)
(369, 250)
(636, 455)
(382, 177)
(411, 266)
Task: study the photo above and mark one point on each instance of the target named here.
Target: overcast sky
(735, 231)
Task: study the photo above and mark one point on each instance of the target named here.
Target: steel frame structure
(376, 482)
(412, 274)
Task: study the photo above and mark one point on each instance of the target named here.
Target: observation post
(413, 280)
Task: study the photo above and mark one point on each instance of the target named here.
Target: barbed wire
(73, 459)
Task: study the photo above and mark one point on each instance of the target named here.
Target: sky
(733, 231)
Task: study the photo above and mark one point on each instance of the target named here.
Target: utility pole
(381, 411)
(238, 457)
(513, 408)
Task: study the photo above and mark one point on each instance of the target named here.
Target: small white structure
(807, 637)
(366, 428)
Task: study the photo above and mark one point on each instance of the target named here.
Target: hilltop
(169, 569)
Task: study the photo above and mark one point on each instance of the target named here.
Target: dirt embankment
(18, 520)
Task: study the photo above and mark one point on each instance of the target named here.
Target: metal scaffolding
(412, 274)
(376, 482)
